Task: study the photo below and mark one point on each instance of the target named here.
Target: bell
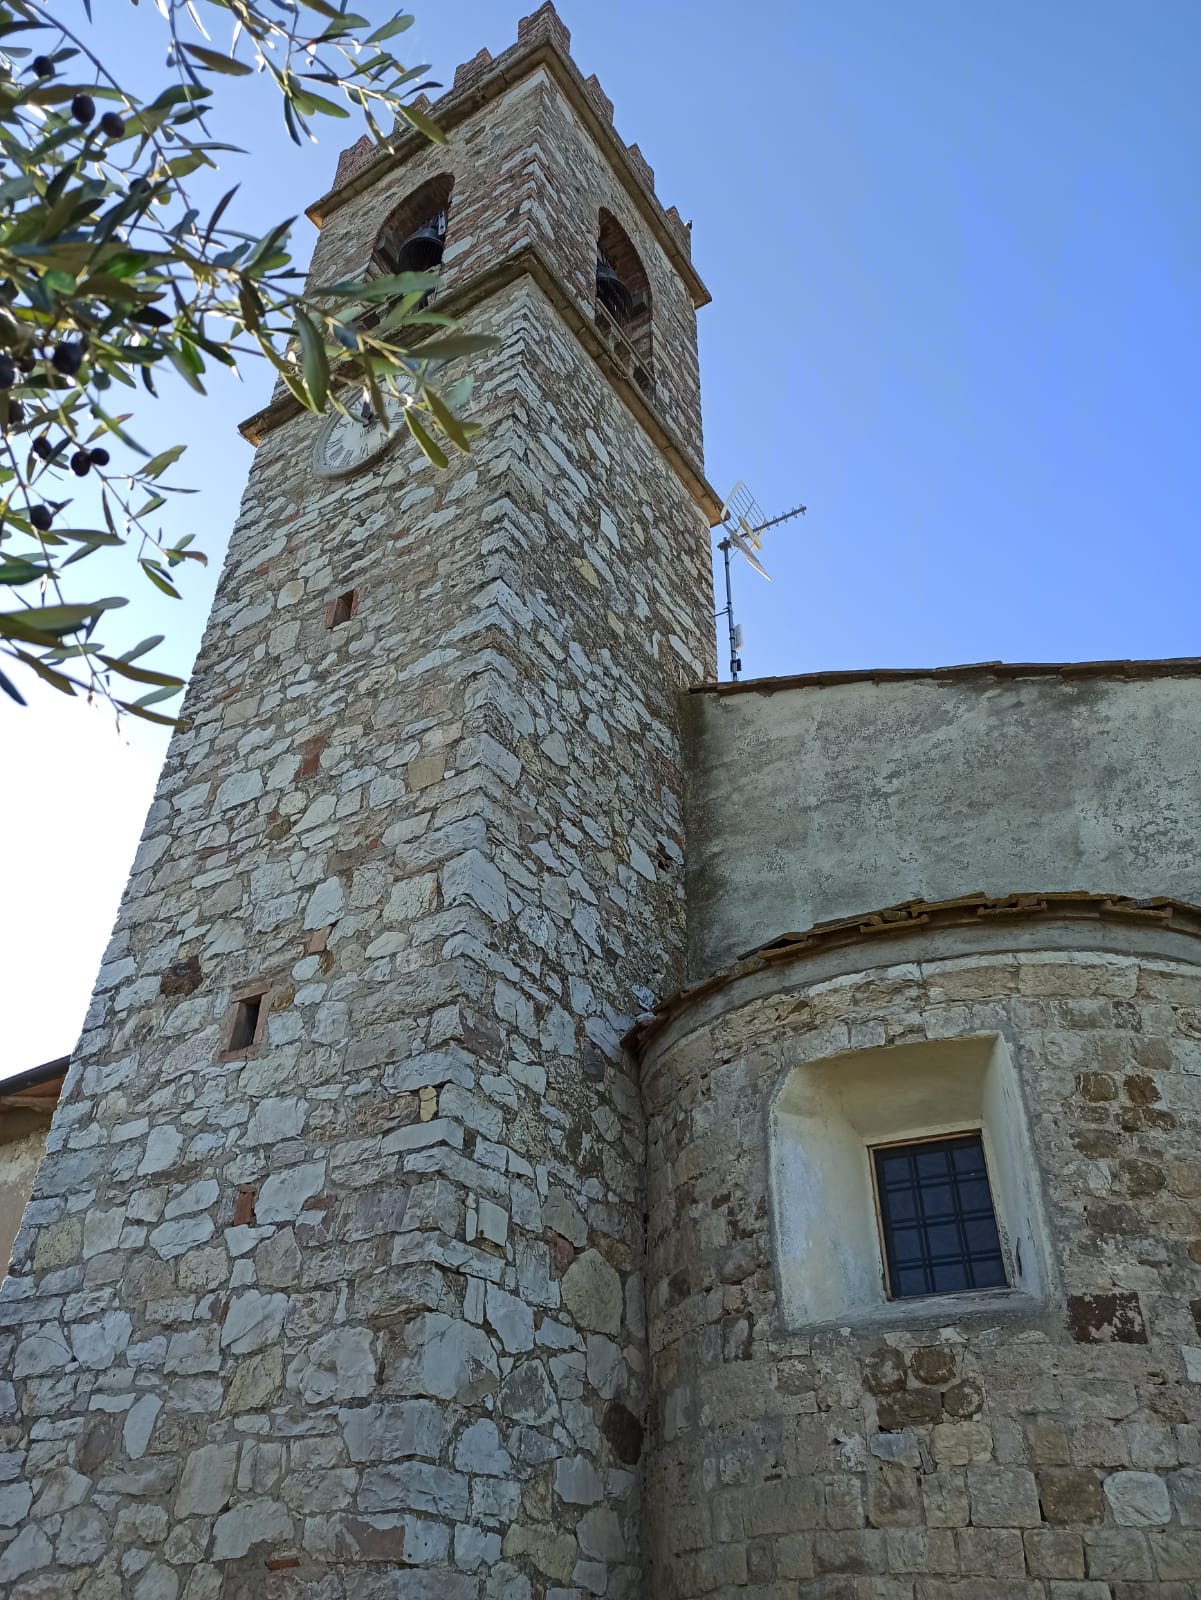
(612, 293)
(422, 250)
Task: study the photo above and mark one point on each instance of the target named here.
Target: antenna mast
(744, 524)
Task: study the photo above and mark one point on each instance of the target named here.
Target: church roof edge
(1167, 667)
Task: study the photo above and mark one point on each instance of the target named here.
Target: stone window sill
(933, 1310)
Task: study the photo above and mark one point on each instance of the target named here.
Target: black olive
(112, 126)
(41, 517)
(42, 448)
(100, 457)
(8, 371)
(83, 108)
(43, 66)
(67, 357)
(81, 462)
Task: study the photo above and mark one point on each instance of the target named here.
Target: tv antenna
(744, 525)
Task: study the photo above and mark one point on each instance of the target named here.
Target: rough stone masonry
(420, 1220)
(357, 1310)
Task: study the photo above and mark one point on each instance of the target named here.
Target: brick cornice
(528, 263)
(505, 71)
(895, 923)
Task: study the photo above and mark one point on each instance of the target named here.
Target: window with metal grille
(936, 1217)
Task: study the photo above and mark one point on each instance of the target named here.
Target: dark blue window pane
(936, 1213)
(981, 1237)
(988, 1272)
(907, 1244)
(949, 1276)
(938, 1200)
(974, 1195)
(892, 1168)
(943, 1240)
(931, 1161)
(969, 1160)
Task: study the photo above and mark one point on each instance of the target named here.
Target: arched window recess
(414, 236)
(623, 302)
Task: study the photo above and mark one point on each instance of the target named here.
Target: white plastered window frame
(824, 1121)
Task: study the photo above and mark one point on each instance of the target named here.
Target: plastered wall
(810, 802)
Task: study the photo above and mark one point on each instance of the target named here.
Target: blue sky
(954, 251)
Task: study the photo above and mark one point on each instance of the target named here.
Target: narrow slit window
(248, 1013)
(342, 609)
(937, 1221)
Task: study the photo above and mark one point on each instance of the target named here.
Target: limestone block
(139, 1424)
(340, 1365)
(82, 1539)
(284, 1194)
(1054, 1553)
(577, 1481)
(1070, 1495)
(207, 1480)
(1185, 1488)
(41, 1350)
(255, 1382)
(417, 1486)
(447, 1359)
(511, 1319)
(528, 1396)
(176, 1238)
(250, 1522)
(30, 1551)
(253, 1321)
(1138, 1499)
(479, 1451)
(15, 1501)
(591, 1291)
(98, 1344)
(381, 1432)
(960, 1444)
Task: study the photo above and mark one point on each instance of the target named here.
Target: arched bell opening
(623, 301)
(414, 236)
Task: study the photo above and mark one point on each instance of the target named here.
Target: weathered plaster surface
(22, 1143)
(809, 803)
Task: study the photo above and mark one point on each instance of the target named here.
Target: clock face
(346, 444)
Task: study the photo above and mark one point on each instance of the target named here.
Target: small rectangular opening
(245, 1023)
(937, 1221)
(342, 609)
(246, 1019)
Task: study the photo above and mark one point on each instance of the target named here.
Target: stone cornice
(974, 672)
(528, 263)
(917, 917)
(508, 69)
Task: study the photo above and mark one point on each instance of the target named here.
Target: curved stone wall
(1042, 1444)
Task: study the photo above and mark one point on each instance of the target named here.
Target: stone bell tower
(331, 1281)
